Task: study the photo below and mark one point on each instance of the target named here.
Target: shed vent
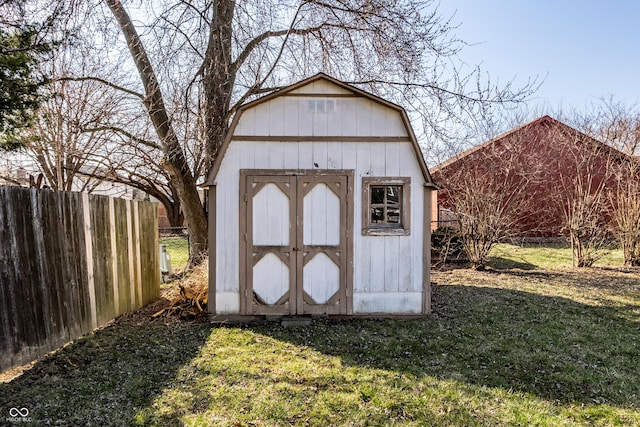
(321, 106)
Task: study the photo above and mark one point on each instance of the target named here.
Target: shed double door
(296, 242)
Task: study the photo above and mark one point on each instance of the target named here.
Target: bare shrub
(490, 194)
(626, 213)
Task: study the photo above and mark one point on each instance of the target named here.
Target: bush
(446, 244)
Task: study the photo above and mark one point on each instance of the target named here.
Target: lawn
(517, 346)
(178, 249)
(548, 255)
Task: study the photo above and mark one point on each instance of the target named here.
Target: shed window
(385, 206)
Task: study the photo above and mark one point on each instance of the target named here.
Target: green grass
(178, 248)
(548, 255)
(548, 347)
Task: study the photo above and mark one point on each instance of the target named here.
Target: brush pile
(188, 297)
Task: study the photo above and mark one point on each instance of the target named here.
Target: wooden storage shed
(320, 204)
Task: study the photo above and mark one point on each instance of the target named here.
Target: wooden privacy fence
(70, 262)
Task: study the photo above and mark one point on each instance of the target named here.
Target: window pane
(377, 215)
(393, 216)
(393, 196)
(377, 195)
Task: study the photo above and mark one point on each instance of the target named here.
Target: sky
(583, 50)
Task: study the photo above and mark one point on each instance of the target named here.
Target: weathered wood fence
(70, 262)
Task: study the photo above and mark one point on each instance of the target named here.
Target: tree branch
(103, 81)
(271, 34)
(434, 87)
(255, 42)
(123, 132)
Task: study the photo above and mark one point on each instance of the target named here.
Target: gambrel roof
(297, 90)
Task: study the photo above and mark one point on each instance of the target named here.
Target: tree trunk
(175, 216)
(174, 159)
(174, 209)
(218, 77)
(171, 205)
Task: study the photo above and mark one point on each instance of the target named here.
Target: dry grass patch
(187, 298)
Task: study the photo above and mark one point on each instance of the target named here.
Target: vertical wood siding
(289, 116)
(70, 262)
(388, 270)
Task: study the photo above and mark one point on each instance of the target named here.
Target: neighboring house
(13, 176)
(21, 171)
(163, 218)
(164, 221)
(320, 204)
(115, 189)
(545, 158)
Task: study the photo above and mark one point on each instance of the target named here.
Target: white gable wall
(322, 87)
(387, 270)
(290, 116)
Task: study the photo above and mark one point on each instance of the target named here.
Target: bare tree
(613, 122)
(57, 142)
(136, 166)
(582, 211)
(584, 178)
(89, 132)
(617, 125)
(174, 160)
(221, 54)
(133, 161)
(484, 216)
(492, 191)
(626, 212)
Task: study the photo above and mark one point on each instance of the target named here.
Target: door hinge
(246, 198)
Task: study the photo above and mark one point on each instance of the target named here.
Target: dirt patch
(11, 374)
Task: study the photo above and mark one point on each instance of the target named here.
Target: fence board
(9, 276)
(122, 255)
(91, 285)
(102, 268)
(149, 251)
(21, 304)
(5, 277)
(63, 259)
(51, 218)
